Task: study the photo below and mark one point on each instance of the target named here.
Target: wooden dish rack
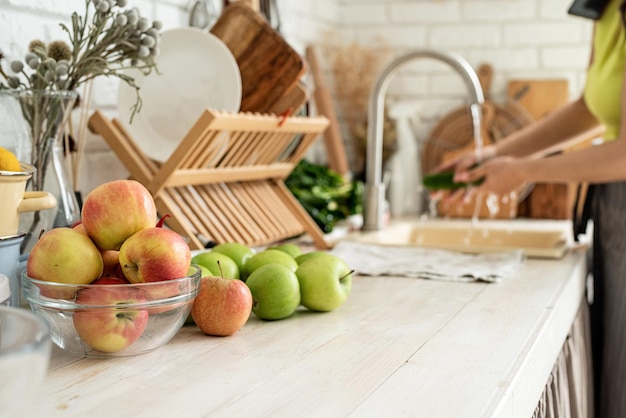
(224, 182)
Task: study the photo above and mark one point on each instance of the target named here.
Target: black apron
(606, 205)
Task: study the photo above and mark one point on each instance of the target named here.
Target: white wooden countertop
(399, 347)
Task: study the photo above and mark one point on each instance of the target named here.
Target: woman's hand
(466, 160)
(460, 165)
(500, 175)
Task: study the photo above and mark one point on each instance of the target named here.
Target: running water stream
(491, 200)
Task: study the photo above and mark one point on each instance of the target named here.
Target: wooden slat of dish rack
(224, 181)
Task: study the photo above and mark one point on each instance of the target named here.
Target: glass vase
(32, 126)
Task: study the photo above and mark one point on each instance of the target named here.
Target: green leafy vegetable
(324, 194)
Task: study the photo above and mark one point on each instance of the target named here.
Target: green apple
(289, 248)
(239, 253)
(219, 265)
(325, 281)
(189, 320)
(268, 256)
(275, 291)
(204, 272)
(303, 257)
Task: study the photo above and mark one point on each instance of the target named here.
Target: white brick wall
(520, 38)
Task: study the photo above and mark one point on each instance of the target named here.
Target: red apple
(80, 228)
(110, 258)
(163, 292)
(110, 329)
(115, 210)
(64, 255)
(157, 291)
(155, 254)
(111, 261)
(222, 306)
(107, 280)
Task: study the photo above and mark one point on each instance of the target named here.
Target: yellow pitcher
(15, 199)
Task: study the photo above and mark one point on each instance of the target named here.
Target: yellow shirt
(603, 89)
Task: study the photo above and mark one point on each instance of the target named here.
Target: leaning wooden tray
(225, 180)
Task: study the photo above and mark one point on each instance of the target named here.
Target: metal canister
(5, 291)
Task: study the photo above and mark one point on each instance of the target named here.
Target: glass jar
(32, 126)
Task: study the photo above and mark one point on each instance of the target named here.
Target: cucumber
(444, 181)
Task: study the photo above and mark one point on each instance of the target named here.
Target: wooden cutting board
(292, 101)
(540, 97)
(269, 66)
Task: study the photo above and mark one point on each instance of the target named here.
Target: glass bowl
(24, 358)
(112, 320)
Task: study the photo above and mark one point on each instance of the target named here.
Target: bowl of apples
(118, 283)
(110, 317)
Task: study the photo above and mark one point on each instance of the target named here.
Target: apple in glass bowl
(113, 318)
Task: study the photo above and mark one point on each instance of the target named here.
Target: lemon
(8, 161)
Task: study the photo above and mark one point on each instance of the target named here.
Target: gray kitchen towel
(428, 263)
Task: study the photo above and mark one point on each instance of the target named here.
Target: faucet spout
(373, 204)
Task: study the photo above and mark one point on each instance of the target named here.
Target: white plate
(197, 71)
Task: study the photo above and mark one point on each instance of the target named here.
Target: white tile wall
(520, 38)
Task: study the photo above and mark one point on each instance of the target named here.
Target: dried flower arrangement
(354, 68)
(105, 41)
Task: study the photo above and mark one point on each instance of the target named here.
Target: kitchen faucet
(373, 204)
